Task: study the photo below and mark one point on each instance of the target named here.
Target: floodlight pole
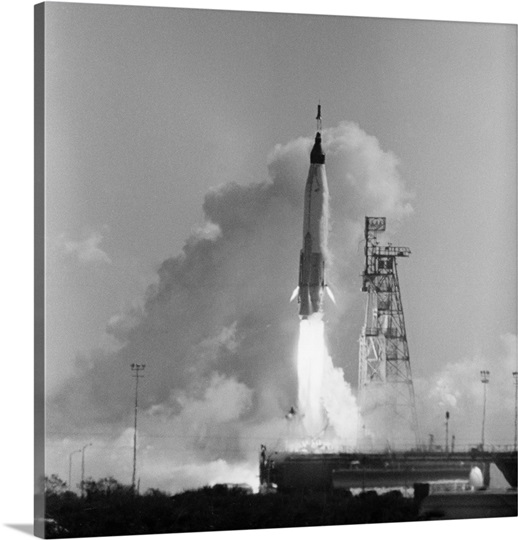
(484, 377)
(447, 422)
(136, 369)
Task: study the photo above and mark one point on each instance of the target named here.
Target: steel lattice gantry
(385, 387)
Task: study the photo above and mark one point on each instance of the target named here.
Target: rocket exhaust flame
(328, 410)
(310, 370)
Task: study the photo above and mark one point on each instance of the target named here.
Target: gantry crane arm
(390, 251)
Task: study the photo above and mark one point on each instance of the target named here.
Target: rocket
(312, 267)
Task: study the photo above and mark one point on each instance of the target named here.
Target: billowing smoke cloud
(217, 333)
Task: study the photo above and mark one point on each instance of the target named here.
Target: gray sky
(153, 114)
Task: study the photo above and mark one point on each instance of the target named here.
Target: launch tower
(385, 388)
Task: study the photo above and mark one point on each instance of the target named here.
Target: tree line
(106, 508)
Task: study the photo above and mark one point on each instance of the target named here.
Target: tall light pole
(484, 377)
(83, 468)
(515, 375)
(70, 468)
(447, 421)
(136, 369)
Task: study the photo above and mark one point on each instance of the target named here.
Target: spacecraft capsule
(312, 281)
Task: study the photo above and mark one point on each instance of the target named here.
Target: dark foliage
(109, 508)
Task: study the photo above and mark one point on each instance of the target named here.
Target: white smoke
(457, 388)
(340, 405)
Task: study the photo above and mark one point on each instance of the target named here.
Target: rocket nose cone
(317, 155)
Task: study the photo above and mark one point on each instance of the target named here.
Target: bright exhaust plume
(327, 407)
(310, 369)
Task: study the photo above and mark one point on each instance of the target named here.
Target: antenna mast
(136, 369)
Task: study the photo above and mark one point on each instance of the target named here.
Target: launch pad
(296, 471)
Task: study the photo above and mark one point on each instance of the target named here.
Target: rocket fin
(294, 294)
(331, 295)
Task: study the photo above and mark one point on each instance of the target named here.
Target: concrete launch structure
(297, 471)
(312, 281)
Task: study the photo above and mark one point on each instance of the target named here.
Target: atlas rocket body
(312, 269)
